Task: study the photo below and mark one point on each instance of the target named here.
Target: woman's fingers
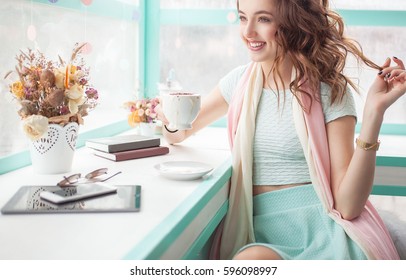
(397, 74)
(387, 72)
(387, 63)
(397, 85)
(385, 68)
(399, 62)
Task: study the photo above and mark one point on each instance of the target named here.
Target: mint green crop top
(278, 157)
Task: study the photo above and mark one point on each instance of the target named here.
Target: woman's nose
(249, 30)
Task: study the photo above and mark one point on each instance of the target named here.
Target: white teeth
(256, 45)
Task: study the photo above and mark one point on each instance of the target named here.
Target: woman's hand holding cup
(179, 110)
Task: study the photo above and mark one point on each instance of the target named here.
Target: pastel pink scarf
(368, 230)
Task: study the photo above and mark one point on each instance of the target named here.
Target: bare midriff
(263, 189)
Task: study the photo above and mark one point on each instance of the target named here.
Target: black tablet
(27, 200)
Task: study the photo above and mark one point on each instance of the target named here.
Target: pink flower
(143, 108)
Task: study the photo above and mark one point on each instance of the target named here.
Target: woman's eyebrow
(257, 12)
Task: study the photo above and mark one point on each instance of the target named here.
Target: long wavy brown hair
(312, 36)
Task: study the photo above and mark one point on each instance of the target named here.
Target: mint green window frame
(149, 11)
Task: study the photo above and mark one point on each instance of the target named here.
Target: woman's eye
(243, 18)
(264, 19)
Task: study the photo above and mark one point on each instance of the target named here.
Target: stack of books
(125, 147)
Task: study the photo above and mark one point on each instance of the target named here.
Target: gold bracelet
(367, 146)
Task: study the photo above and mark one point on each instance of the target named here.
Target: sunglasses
(94, 176)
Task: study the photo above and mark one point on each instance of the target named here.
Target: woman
(299, 189)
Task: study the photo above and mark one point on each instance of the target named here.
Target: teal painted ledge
(195, 251)
(389, 190)
(220, 123)
(14, 161)
(22, 159)
(160, 238)
(391, 161)
(388, 129)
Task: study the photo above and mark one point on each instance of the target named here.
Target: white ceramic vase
(53, 153)
(147, 129)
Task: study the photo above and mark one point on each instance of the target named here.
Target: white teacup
(180, 109)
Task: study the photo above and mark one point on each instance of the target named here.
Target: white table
(177, 218)
(174, 221)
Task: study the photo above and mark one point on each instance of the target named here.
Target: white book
(123, 143)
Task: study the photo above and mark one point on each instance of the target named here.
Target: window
(136, 43)
(110, 27)
(200, 41)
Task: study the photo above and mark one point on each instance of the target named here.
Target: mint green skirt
(294, 224)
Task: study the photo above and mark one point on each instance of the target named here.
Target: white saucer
(183, 170)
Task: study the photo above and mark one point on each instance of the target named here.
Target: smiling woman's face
(258, 29)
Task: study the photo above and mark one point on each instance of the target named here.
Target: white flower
(76, 76)
(74, 92)
(59, 78)
(76, 98)
(147, 112)
(35, 126)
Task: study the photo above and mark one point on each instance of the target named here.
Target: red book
(133, 154)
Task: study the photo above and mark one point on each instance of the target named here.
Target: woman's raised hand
(388, 87)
